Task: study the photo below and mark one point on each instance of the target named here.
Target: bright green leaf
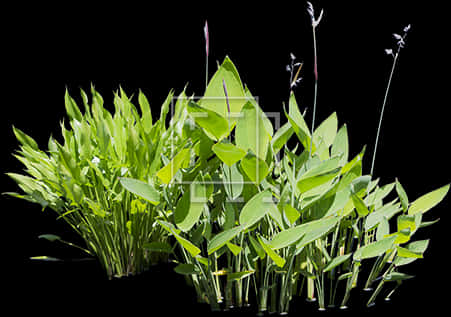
(428, 201)
(228, 153)
(256, 208)
(141, 189)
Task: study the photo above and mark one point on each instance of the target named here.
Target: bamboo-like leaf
(428, 201)
(360, 206)
(291, 213)
(326, 131)
(402, 196)
(336, 262)
(418, 247)
(298, 124)
(219, 240)
(235, 249)
(374, 249)
(406, 253)
(278, 260)
(141, 189)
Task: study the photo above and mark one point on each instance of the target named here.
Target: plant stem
(315, 71)
(382, 112)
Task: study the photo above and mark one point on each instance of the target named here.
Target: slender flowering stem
(207, 49)
(315, 23)
(400, 42)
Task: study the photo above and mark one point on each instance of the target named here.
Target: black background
(157, 48)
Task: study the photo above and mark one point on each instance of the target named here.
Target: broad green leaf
(359, 205)
(340, 145)
(141, 189)
(219, 240)
(406, 253)
(281, 137)
(257, 247)
(402, 196)
(187, 245)
(298, 124)
(254, 167)
(406, 222)
(355, 162)
(190, 206)
(396, 276)
(215, 126)
(235, 249)
(387, 211)
(317, 230)
(256, 208)
(186, 269)
(167, 173)
(50, 237)
(291, 213)
(236, 276)
(374, 249)
(157, 246)
(214, 98)
(418, 247)
(304, 233)
(383, 229)
(278, 260)
(228, 153)
(336, 262)
(250, 132)
(233, 181)
(428, 201)
(320, 174)
(326, 131)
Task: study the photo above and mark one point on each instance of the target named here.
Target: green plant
(79, 178)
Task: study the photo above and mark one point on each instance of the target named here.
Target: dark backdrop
(157, 48)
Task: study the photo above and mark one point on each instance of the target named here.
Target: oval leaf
(256, 208)
(428, 201)
(141, 189)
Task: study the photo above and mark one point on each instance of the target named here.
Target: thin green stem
(315, 66)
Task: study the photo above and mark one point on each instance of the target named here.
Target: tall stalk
(207, 49)
(400, 44)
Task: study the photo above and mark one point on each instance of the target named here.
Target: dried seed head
(397, 36)
(406, 29)
(292, 57)
(388, 51)
(311, 12)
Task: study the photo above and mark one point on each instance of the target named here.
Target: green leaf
(50, 237)
(255, 168)
(167, 173)
(233, 181)
(188, 246)
(228, 153)
(298, 124)
(303, 233)
(215, 126)
(250, 133)
(281, 137)
(340, 145)
(71, 108)
(45, 258)
(406, 253)
(336, 262)
(418, 247)
(186, 269)
(141, 189)
(235, 249)
(278, 260)
(24, 139)
(396, 276)
(256, 208)
(214, 98)
(374, 249)
(291, 213)
(320, 174)
(326, 131)
(146, 119)
(428, 201)
(359, 205)
(402, 196)
(157, 246)
(219, 240)
(257, 247)
(190, 206)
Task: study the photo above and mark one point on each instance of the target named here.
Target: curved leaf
(374, 249)
(141, 189)
(228, 153)
(219, 240)
(256, 208)
(428, 201)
